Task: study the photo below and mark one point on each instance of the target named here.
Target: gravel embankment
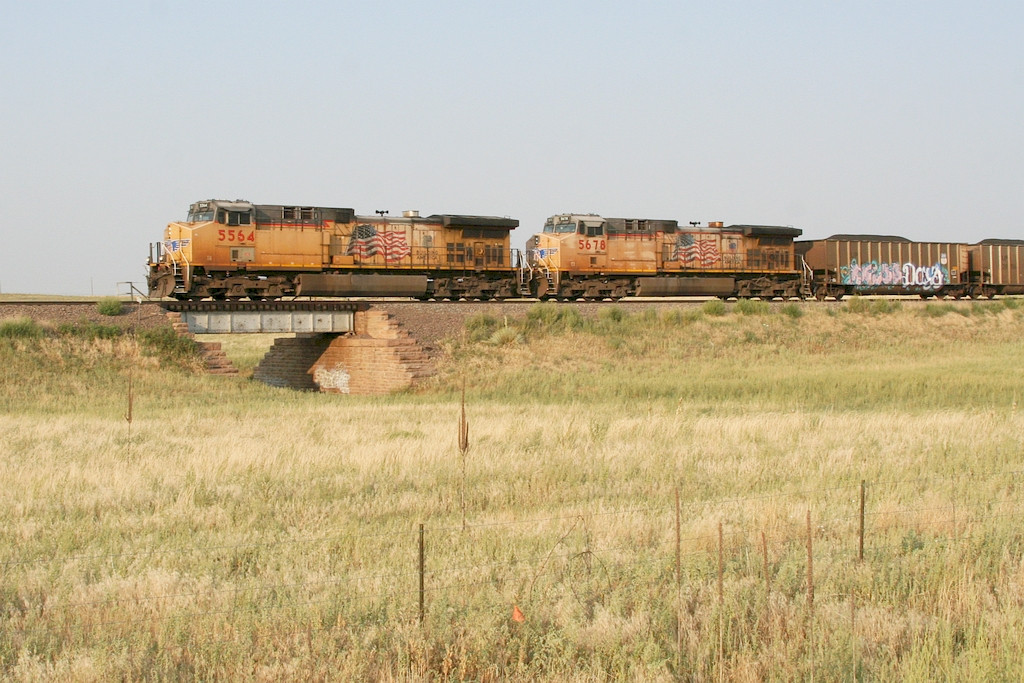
(429, 323)
(432, 322)
(141, 316)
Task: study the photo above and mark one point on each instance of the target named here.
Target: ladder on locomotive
(180, 272)
(524, 272)
(806, 280)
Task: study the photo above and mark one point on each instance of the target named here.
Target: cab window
(234, 217)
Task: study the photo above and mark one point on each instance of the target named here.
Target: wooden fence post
(721, 604)
(853, 630)
(679, 562)
(764, 556)
(463, 449)
(860, 552)
(423, 562)
(679, 586)
(767, 578)
(810, 592)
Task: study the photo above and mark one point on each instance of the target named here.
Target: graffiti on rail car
(875, 274)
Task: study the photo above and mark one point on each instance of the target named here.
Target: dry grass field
(668, 495)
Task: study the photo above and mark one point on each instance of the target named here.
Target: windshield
(200, 216)
(564, 225)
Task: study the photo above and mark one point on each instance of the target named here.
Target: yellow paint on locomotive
(408, 243)
(584, 244)
(237, 248)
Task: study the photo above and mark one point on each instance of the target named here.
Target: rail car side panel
(999, 263)
(892, 266)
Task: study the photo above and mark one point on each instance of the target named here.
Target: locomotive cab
(194, 241)
(568, 244)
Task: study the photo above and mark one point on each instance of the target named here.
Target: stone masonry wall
(288, 361)
(379, 358)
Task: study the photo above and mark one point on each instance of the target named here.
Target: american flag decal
(368, 241)
(697, 247)
(175, 245)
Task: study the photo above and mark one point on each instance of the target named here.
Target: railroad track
(429, 322)
(356, 304)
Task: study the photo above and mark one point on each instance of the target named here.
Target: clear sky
(887, 117)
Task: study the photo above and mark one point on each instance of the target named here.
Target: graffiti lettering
(908, 275)
(931, 277)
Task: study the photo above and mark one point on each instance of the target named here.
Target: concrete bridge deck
(251, 317)
(338, 346)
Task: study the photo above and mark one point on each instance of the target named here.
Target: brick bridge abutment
(377, 357)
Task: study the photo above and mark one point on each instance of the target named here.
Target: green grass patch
(168, 345)
(763, 359)
(715, 308)
(87, 329)
(20, 328)
(792, 310)
(752, 307)
(110, 305)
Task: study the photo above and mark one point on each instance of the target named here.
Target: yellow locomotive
(587, 256)
(235, 249)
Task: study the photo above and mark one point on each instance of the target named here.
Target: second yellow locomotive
(587, 256)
